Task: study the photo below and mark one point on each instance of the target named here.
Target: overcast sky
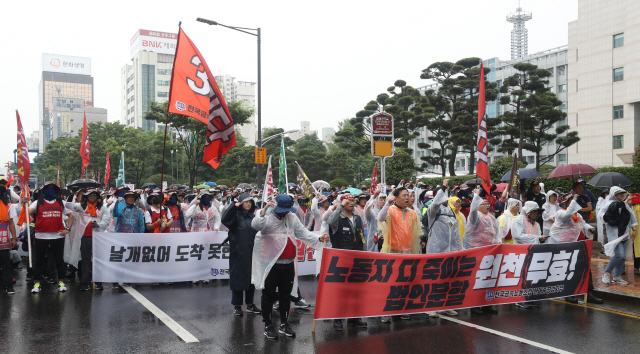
(321, 62)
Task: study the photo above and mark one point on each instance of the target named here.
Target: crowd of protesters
(411, 218)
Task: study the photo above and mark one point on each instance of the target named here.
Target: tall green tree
(435, 120)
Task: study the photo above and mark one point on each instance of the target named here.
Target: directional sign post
(261, 155)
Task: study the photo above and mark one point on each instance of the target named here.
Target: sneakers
(276, 305)
(10, 290)
(405, 317)
(99, 286)
(385, 319)
(84, 288)
(301, 304)
(253, 309)
(523, 305)
(62, 287)
(619, 280)
(115, 286)
(606, 278)
(36, 288)
(433, 314)
(449, 313)
(477, 311)
(237, 311)
(337, 325)
(286, 330)
(270, 332)
(358, 322)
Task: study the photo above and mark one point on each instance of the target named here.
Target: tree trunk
(472, 161)
(452, 161)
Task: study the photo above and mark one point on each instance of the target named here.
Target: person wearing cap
(319, 205)
(237, 218)
(534, 194)
(371, 211)
(360, 203)
(205, 216)
(621, 223)
(48, 211)
(274, 258)
(173, 204)
(346, 231)
(128, 217)
(587, 193)
(189, 198)
(302, 211)
(8, 240)
(92, 217)
(586, 206)
(549, 210)
(157, 218)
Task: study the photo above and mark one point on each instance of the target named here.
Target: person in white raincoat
(444, 230)
(481, 228)
(620, 223)
(274, 262)
(549, 210)
(524, 229)
(602, 235)
(361, 203)
(512, 210)
(92, 217)
(205, 217)
(371, 211)
(319, 206)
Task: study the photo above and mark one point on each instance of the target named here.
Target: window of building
(530, 159)
(163, 94)
(551, 71)
(163, 83)
(563, 106)
(618, 74)
(165, 58)
(561, 70)
(576, 85)
(618, 141)
(562, 157)
(164, 71)
(618, 40)
(618, 112)
(552, 89)
(562, 88)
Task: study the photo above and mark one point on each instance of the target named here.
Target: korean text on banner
(359, 284)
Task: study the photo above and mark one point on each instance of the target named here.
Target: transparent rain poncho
(72, 239)
(613, 234)
(524, 230)
(567, 228)
(271, 240)
(481, 229)
(316, 214)
(506, 219)
(203, 219)
(401, 229)
(549, 213)
(444, 232)
(371, 211)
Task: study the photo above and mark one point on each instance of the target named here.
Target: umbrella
(610, 179)
(475, 181)
(180, 186)
(203, 186)
(222, 186)
(320, 182)
(211, 184)
(354, 191)
(244, 185)
(500, 187)
(573, 170)
(524, 173)
(149, 185)
(83, 183)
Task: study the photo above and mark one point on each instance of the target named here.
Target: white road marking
(506, 335)
(168, 321)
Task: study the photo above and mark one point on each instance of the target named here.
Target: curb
(614, 294)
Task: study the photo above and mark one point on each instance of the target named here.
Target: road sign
(382, 148)
(382, 135)
(382, 124)
(261, 155)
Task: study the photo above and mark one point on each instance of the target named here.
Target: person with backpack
(157, 218)
(620, 222)
(92, 216)
(48, 211)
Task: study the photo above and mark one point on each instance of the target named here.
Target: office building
(66, 121)
(604, 82)
(63, 78)
(328, 134)
(146, 78)
(33, 140)
(244, 91)
(305, 129)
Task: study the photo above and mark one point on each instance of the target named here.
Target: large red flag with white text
(85, 150)
(195, 93)
(482, 165)
(23, 164)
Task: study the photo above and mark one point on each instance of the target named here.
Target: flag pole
(166, 121)
(25, 205)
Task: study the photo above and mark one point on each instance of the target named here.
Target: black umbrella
(83, 183)
(524, 173)
(149, 185)
(180, 186)
(244, 185)
(610, 179)
(475, 181)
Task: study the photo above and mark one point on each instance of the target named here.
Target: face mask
(282, 215)
(120, 194)
(205, 201)
(172, 201)
(189, 199)
(49, 193)
(155, 201)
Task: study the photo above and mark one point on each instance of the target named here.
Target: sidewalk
(599, 263)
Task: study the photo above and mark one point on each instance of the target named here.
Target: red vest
(162, 214)
(49, 217)
(175, 213)
(5, 241)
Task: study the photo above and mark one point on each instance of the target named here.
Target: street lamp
(275, 135)
(257, 34)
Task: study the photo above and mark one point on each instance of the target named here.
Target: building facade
(604, 82)
(305, 129)
(69, 122)
(243, 91)
(64, 79)
(147, 77)
(328, 134)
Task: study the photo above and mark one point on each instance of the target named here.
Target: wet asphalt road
(112, 321)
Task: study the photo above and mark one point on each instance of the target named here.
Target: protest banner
(364, 284)
(171, 257)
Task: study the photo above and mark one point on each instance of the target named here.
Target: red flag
(9, 174)
(93, 174)
(84, 146)
(22, 218)
(482, 166)
(58, 174)
(195, 93)
(374, 179)
(107, 171)
(24, 166)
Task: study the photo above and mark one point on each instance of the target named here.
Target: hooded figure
(569, 224)
(506, 220)
(237, 218)
(371, 211)
(128, 218)
(446, 227)
(319, 205)
(549, 211)
(602, 236)
(620, 223)
(525, 229)
(482, 228)
(205, 216)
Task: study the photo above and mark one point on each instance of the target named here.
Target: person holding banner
(128, 217)
(525, 229)
(274, 259)
(8, 239)
(237, 218)
(158, 218)
(445, 225)
(506, 220)
(205, 216)
(549, 210)
(48, 211)
(346, 231)
(172, 203)
(92, 216)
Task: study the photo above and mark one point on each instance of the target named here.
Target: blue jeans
(616, 264)
(236, 296)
